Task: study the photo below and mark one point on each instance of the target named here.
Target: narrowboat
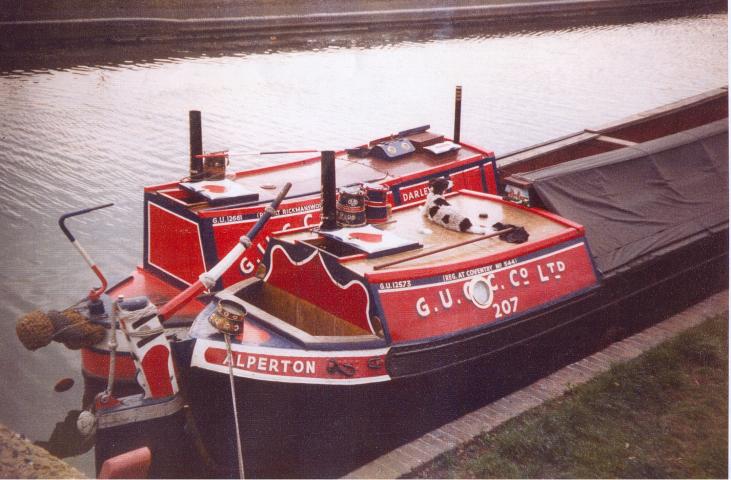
(351, 319)
(357, 306)
(189, 225)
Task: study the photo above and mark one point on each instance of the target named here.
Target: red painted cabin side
(186, 235)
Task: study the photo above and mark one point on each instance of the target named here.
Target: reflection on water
(77, 136)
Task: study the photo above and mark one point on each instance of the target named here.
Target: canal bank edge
(19, 458)
(407, 458)
(125, 24)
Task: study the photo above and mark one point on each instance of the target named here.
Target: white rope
(134, 315)
(131, 317)
(239, 451)
(112, 351)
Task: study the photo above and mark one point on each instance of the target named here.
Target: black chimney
(328, 191)
(457, 113)
(196, 146)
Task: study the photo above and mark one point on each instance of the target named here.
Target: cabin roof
(305, 175)
(350, 169)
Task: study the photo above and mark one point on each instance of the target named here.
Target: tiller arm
(208, 279)
(94, 294)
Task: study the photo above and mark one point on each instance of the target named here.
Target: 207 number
(506, 307)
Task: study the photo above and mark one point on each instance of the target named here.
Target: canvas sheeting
(644, 201)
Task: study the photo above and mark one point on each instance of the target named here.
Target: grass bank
(661, 415)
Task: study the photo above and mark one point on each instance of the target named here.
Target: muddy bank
(19, 458)
(44, 23)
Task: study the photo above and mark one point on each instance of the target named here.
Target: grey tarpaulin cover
(646, 200)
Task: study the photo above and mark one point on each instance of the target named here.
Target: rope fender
(37, 329)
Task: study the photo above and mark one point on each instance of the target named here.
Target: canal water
(85, 127)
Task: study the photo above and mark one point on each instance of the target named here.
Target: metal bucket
(376, 193)
(351, 207)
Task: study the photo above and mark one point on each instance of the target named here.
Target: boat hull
(300, 430)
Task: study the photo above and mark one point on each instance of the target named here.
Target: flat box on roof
(221, 192)
(424, 139)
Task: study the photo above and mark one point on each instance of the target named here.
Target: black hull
(162, 436)
(297, 430)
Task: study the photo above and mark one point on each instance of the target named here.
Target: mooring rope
(112, 351)
(132, 316)
(239, 451)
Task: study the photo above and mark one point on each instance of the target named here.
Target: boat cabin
(189, 226)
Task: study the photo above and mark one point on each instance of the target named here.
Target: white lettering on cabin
(227, 219)
(302, 208)
(246, 265)
(273, 365)
(518, 277)
(416, 194)
(422, 309)
(541, 276)
(446, 302)
(551, 269)
(490, 279)
(395, 284)
(286, 211)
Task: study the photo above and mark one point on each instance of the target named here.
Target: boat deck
(408, 223)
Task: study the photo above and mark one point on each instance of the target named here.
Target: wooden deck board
(410, 224)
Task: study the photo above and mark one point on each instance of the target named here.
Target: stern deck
(409, 223)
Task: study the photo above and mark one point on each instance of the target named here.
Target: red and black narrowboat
(336, 320)
(190, 225)
(350, 323)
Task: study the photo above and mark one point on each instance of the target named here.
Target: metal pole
(327, 175)
(96, 306)
(196, 145)
(457, 113)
